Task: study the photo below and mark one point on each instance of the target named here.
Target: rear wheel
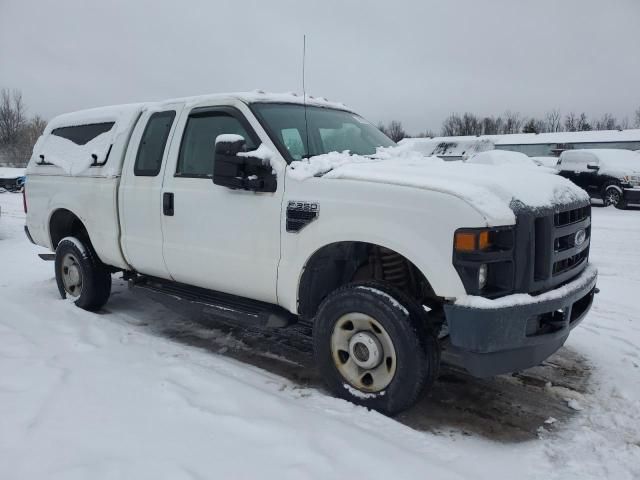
(81, 275)
(373, 347)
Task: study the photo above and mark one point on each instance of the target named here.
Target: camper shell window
(82, 134)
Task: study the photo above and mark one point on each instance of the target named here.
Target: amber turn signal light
(472, 241)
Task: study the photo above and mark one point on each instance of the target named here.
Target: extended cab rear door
(214, 237)
(140, 194)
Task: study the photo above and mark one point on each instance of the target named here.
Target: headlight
(482, 276)
(484, 259)
(633, 180)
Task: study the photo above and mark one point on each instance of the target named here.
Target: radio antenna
(304, 93)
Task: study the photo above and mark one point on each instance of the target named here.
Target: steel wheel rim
(612, 197)
(71, 273)
(354, 341)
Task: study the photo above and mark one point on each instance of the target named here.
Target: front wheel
(613, 196)
(373, 347)
(81, 275)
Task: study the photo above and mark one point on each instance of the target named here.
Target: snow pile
(263, 152)
(72, 158)
(495, 192)
(319, 165)
(11, 172)
(444, 148)
(617, 162)
(502, 158)
(508, 159)
(75, 159)
(549, 162)
(256, 96)
(229, 138)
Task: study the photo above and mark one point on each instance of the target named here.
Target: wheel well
(337, 264)
(64, 223)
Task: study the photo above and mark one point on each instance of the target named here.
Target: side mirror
(593, 166)
(240, 172)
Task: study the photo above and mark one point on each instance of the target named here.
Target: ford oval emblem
(580, 237)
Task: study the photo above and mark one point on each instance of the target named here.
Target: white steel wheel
(372, 346)
(80, 275)
(71, 273)
(363, 352)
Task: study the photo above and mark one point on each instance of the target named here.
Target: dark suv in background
(612, 175)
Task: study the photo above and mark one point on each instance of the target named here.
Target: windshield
(329, 130)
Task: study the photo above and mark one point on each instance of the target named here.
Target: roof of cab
(117, 113)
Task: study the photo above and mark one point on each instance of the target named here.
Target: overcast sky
(415, 61)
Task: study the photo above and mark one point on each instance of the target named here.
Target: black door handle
(167, 204)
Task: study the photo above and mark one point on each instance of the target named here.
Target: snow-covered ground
(102, 396)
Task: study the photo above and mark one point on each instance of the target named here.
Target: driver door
(214, 237)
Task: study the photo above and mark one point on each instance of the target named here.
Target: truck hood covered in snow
(494, 191)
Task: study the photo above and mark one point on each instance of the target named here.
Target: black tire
(612, 195)
(416, 346)
(95, 278)
(621, 205)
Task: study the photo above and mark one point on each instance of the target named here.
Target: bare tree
(12, 116)
(426, 134)
(467, 124)
(491, 125)
(624, 124)
(571, 122)
(553, 121)
(533, 125)
(512, 122)
(452, 125)
(394, 130)
(32, 130)
(606, 122)
(636, 123)
(583, 123)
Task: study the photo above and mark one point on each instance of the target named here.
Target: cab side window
(198, 142)
(152, 144)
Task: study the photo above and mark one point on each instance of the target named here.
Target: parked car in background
(609, 174)
(507, 158)
(551, 162)
(11, 179)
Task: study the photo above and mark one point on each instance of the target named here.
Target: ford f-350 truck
(280, 208)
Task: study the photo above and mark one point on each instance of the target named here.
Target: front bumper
(632, 195)
(491, 337)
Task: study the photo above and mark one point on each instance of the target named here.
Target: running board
(238, 309)
(47, 257)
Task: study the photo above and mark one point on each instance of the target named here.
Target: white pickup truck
(275, 208)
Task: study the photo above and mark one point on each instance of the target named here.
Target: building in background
(531, 144)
